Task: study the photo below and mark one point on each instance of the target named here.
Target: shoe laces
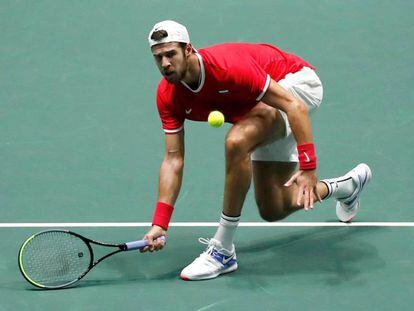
(210, 245)
(211, 248)
(204, 241)
(207, 257)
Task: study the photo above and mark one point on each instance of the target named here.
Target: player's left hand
(306, 181)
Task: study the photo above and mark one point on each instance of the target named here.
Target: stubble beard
(178, 75)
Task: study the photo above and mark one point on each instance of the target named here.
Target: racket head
(55, 258)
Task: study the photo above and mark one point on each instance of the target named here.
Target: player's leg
(276, 201)
(259, 125)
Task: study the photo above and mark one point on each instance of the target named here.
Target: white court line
(203, 224)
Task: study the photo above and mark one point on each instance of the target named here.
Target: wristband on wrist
(307, 157)
(162, 214)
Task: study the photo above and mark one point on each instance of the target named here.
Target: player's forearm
(299, 120)
(170, 179)
(297, 112)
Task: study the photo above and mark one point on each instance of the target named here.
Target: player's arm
(296, 110)
(169, 185)
(171, 171)
(298, 116)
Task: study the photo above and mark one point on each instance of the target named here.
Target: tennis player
(268, 95)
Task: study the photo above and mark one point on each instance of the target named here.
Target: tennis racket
(58, 258)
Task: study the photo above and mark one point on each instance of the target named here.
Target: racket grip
(130, 246)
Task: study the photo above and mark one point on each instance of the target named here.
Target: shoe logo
(225, 261)
(307, 160)
(188, 111)
(222, 257)
(224, 91)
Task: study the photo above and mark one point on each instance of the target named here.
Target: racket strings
(55, 258)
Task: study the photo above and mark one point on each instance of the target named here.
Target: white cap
(176, 33)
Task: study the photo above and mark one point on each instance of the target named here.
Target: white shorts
(305, 85)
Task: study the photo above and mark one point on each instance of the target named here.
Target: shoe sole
(342, 216)
(212, 276)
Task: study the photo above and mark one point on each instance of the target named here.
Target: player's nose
(165, 63)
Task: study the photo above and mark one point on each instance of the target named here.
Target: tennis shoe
(215, 260)
(347, 208)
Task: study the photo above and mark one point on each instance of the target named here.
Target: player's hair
(161, 34)
(183, 45)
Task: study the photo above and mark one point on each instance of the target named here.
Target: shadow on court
(331, 255)
(128, 276)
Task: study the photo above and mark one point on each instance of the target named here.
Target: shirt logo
(307, 160)
(223, 91)
(188, 111)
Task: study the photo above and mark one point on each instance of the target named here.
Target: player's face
(171, 60)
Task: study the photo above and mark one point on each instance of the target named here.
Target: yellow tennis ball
(215, 119)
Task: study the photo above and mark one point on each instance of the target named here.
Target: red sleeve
(171, 122)
(249, 76)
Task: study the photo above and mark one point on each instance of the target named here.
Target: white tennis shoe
(347, 208)
(215, 260)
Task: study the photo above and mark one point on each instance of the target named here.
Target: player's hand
(306, 181)
(154, 244)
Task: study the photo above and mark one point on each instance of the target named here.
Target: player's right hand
(154, 244)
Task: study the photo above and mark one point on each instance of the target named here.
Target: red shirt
(234, 77)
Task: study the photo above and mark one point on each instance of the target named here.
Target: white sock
(226, 231)
(340, 187)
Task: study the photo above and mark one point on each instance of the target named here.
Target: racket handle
(130, 246)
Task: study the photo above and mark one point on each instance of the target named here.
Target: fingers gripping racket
(58, 258)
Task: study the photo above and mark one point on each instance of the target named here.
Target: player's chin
(172, 78)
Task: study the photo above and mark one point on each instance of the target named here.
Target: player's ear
(188, 50)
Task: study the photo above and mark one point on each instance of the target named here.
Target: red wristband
(162, 215)
(307, 157)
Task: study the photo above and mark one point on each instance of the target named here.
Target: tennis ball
(215, 119)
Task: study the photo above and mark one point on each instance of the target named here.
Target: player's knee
(272, 216)
(235, 144)
(270, 212)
